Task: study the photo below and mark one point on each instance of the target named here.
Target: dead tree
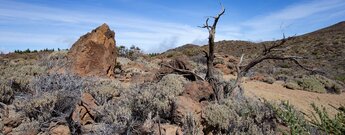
(212, 33)
(210, 55)
(273, 52)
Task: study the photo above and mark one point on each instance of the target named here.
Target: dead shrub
(55, 82)
(55, 59)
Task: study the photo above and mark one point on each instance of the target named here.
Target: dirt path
(300, 99)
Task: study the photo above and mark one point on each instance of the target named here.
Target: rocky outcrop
(85, 111)
(94, 54)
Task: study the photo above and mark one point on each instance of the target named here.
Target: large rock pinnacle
(94, 54)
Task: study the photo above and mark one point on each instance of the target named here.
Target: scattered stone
(167, 129)
(6, 130)
(198, 91)
(85, 111)
(183, 106)
(60, 130)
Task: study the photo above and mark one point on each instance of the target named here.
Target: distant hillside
(324, 50)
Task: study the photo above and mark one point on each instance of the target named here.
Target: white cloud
(151, 34)
(268, 26)
(143, 32)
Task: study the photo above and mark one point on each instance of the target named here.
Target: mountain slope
(324, 50)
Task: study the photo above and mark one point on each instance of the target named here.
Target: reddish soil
(300, 99)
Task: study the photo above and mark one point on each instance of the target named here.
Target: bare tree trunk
(210, 55)
(211, 44)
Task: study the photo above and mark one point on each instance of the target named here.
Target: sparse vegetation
(317, 83)
(33, 51)
(292, 118)
(324, 122)
(320, 122)
(132, 53)
(6, 93)
(245, 117)
(292, 85)
(39, 91)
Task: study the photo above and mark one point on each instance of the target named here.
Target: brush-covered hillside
(322, 49)
(96, 87)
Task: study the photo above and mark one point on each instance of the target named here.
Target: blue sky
(158, 25)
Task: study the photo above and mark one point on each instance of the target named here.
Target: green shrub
(157, 97)
(105, 90)
(240, 117)
(292, 85)
(269, 80)
(217, 116)
(218, 61)
(320, 84)
(340, 78)
(330, 85)
(293, 119)
(311, 83)
(20, 73)
(325, 123)
(139, 102)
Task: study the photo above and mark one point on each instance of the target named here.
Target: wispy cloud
(24, 23)
(151, 35)
(270, 25)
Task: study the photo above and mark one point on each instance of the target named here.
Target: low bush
(218, 116)
(200, 59)
(6, 93)
(240, 117)
(310, 83)
(293, 119)
(325, 123)
(55, 59)
(320, 84)
(269, 80)
(320, 121)
(56, 82)
(157, 97)
(20, 72)
(136, 104)
(105, 90)
(292, 85)
(282, 77)
(40, 107)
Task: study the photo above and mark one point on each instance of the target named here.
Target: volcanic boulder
(94, 54)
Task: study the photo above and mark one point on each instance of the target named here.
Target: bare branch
(184, 71)
(274, 57)
(216, 18)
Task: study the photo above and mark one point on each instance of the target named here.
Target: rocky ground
(89, 89)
